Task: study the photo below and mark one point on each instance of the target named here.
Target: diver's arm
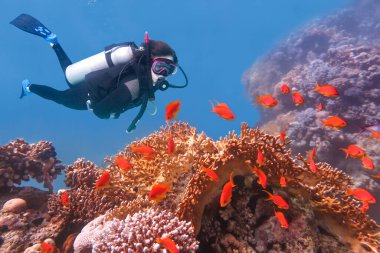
(113, 103)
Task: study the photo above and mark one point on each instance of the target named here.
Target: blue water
(216, 41)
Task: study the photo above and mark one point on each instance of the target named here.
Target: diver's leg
(74, 98)
(64, 60)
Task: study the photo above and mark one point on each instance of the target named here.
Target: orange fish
(146, 151)
(312, 153)
(326, 90)
(313, 167)
(375, 134)
(361, 195)
(365, 206)
(297, 98)
(211, 174)
(171, 110)
(168, 244)
(171, 145)
(334, 121)
(285, 89)
(226, 196)
(354, 151)
(277, 200)
(367, 163)
(103, 181)
(281, 219)
(376, 176)
(282, 136)
(260, 158)
(319, 107)
(123, 164)
(262, 177)
(158, 192)
(266, 100)
(65, 198)
(283, 181)
(222, 110)
(47, 248)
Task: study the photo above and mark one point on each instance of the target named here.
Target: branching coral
(21, 161)
(194, 195)
(325, 189)
(138, 233)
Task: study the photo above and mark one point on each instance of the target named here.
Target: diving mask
(164, 67)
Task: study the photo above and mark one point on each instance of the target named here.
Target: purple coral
(138, 233)
(342, 50)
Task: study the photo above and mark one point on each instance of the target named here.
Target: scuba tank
(114, 56)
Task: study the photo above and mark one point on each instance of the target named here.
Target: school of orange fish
(159, 191)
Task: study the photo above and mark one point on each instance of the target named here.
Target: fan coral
(21, 161)
(138, 233)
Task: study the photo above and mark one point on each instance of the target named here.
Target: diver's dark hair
(160, 48)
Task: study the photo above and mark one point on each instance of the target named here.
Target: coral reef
(342, 50)
(138, 233)
(20, 161)
(23, 227)
(321, 216)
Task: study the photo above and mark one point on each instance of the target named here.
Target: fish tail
(345, 150)
(232, 180)
(324, 123)
(349, 191)
(316, 87)
(258, 99)
(270, 194)
(212, 105)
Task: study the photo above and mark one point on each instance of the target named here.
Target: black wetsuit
(110, 94)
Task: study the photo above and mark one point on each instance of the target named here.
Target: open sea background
(216, 41)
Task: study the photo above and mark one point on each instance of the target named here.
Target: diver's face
(162, 67)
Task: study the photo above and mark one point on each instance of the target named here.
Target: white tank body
(76, 72)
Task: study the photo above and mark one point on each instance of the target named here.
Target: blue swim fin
(31, 25)
(25, 88)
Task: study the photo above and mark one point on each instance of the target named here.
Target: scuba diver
(111, 82)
